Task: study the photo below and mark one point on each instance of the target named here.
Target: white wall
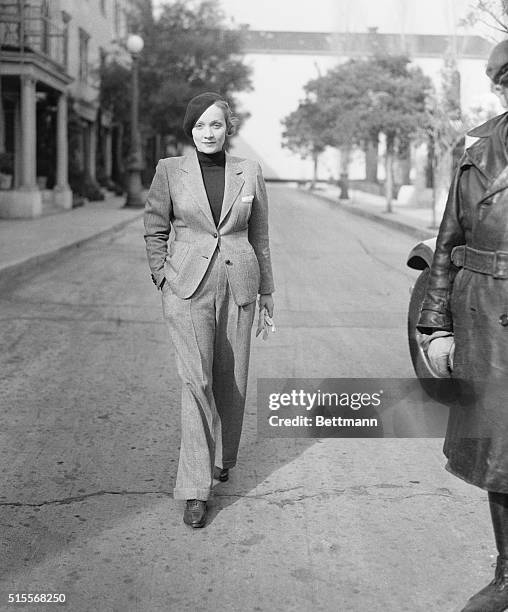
(278, 87)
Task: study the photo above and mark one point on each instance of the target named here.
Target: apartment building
(53, 132)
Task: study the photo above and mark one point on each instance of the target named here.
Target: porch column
(2, 120)
(25, 200)
(28, 133)
(18, 144)
(92, 150)
(62, 194)
(62, 153)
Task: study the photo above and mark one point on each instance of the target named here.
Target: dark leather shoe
(221, 474)
(195, 513)
(493, 597)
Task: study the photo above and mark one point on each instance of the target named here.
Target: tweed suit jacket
(177, 204)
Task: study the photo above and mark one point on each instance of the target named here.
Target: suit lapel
(193, 181)
(233, 183)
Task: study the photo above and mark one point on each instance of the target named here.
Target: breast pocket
(244, 276)
(243, 209)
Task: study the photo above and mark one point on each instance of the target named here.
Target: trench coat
(474, 305)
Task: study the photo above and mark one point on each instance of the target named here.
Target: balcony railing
(26, 27)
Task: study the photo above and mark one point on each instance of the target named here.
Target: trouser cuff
(202, 494)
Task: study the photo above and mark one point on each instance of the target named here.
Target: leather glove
(440, 347)
(451, 356)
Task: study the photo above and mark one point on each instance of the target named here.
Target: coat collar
(489, 154)
(233, 182)
(485, 129)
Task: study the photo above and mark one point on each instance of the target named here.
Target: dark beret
(196, 107)
(497, 66)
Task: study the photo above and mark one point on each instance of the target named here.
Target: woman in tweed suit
(215, 207)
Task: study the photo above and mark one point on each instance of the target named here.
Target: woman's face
(209, 131)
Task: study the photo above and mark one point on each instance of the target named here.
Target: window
(45, 28)
(83, 55)
(65, 51)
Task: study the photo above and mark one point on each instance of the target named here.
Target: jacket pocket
(244, 276)
(178, 252)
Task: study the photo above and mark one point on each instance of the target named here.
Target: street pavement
(90, 423)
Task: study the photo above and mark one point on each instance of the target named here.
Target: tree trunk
(403, 164)
(371, 160)
(345, 158)
(389, 174)
(315, 157)
(405, 170)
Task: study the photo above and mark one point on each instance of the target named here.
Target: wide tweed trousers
(211, 336)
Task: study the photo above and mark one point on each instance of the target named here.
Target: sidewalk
(28, 242)
(411, 220)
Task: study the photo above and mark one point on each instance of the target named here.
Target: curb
(9, 271)
(381, 218)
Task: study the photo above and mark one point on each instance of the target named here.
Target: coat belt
(493, 263)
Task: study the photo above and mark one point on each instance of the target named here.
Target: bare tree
(492, 13)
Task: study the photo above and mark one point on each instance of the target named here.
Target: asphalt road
(89, 428)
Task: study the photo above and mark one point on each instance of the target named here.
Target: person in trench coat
(215, 208)
(465, 311)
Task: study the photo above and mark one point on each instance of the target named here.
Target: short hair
(231, 121)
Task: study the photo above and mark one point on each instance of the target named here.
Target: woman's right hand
(266, 301)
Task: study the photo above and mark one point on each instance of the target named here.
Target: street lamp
(135, 45)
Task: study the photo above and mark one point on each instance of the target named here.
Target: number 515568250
(36, 597)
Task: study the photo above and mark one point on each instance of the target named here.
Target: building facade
(53, 132)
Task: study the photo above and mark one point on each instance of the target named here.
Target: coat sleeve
(258, 233)
(435, 314)
(157, 219)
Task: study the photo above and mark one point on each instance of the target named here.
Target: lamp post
(135, 45)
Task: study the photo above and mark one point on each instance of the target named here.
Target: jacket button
(215, 234)
(228, 262)
(503, 319)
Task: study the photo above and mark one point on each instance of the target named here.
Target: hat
(196, 107)
(497, 66)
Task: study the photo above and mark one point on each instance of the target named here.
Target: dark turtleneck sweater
(213, 167)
